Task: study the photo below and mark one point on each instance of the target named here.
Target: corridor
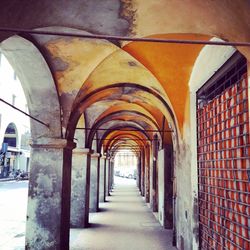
(124, 222)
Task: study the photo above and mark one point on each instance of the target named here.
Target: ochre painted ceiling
(171, 64)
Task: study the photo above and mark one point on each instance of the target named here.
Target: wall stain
(196, 219)
(128, 12)
(132, 63)
(59, 64)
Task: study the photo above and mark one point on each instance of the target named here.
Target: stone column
(112, 172)
(153, 175)
(102, 179)
(80, 188)
(94, 182)
(147, 174)
(138, 176)
(107, 177)
(142, 157)
(168, 187)
(111, 175)
(48, 213)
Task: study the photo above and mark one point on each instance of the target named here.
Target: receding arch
(151, 98)
(117, 135)
(128, 115)
(110, 132)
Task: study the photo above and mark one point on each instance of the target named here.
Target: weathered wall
(49, 197)
(100, 17)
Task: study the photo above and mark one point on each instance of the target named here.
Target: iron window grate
(223, 159)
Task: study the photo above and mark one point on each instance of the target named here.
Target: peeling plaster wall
(101, 17)
(72, 61)
(44, 209)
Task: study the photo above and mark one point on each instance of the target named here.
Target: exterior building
(125, 163)
(14, 126)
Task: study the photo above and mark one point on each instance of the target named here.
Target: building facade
(14, 126)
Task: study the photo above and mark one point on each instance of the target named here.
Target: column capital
(103, 157)
(81, 151)
(57, 143)
(95, 155)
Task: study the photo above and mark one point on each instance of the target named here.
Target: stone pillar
(154, 175)
(138, 176)
(147, 174)
(107, 177)
(48, 212)
(102, 179)
(168, 166)
(142, 157)
(94, 182)
(111, 175)
(79, 210)
(112, 172)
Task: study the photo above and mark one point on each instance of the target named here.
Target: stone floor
(125, 222)
(13, 207)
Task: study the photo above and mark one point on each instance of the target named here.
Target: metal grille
(224, 166)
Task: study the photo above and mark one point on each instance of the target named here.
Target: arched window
(10, 135)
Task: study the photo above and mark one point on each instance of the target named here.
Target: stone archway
(48, 201)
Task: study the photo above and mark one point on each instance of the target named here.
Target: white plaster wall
(210, 59)
(9, 87)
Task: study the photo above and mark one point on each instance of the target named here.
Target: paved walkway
(124, 223)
